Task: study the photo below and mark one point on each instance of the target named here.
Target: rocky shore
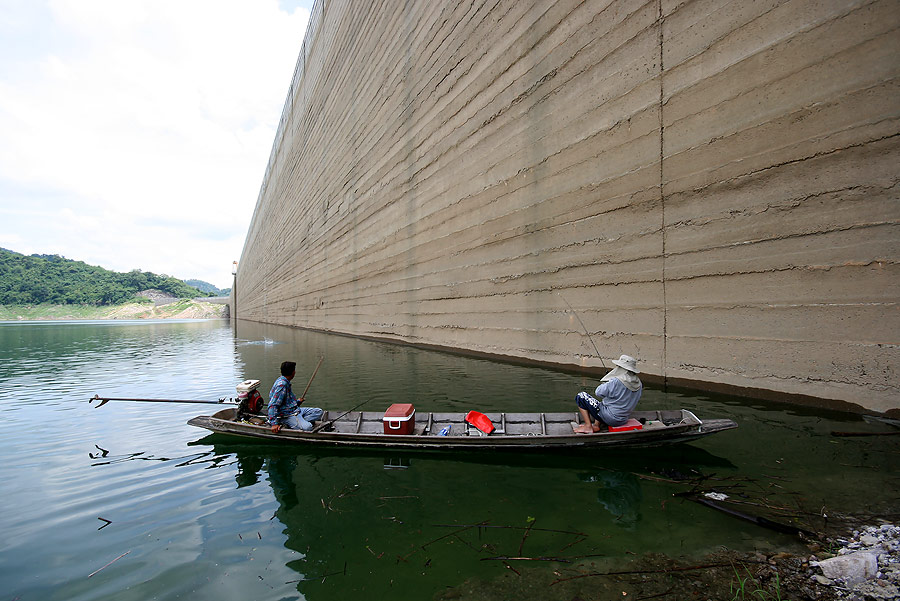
(183, 309)
(861, 565)
(866, 566)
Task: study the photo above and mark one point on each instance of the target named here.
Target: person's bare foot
(586, 429)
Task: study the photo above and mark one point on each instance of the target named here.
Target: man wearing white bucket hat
(620, 391)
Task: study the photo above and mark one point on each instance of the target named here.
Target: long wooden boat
(513, 430)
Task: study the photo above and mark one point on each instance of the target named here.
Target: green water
(200, 516)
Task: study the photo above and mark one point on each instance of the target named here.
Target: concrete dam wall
(710, 186)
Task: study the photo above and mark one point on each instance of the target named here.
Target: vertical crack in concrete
(662, 195)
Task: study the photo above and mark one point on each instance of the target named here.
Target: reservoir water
(128, 502)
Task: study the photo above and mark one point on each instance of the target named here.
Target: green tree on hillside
(36, 279)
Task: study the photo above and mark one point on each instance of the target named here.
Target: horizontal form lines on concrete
(734, 132)
(455, 166)
(338, 253)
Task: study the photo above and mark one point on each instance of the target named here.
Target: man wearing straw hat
(620, 391)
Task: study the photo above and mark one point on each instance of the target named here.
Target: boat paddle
(328, 423)
(105, 400)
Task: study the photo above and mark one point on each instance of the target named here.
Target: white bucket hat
(627, 362)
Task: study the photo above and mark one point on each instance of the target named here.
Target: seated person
(620, 392)
(284, 407)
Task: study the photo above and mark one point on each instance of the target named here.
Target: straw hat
(626, 362)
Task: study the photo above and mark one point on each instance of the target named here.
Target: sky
(134, 134)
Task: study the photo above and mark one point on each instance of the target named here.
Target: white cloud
(136, 132)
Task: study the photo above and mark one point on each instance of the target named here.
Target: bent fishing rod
(584, 328)
(328, 423)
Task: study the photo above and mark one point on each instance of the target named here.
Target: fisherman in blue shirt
(284, 407)
(620, 392)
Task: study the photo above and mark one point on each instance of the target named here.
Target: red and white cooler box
(400, 418)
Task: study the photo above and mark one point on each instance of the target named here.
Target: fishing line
(583, 327)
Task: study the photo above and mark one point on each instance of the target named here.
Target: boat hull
(514, 431)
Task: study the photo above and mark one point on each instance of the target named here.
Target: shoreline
(829, 569)
(179, 309)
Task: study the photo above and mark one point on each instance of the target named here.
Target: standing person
(284, 407)
(621, 390)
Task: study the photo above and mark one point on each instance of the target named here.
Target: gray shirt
(617, 402)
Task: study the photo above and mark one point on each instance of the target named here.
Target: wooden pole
(315, 371)
(104, 400)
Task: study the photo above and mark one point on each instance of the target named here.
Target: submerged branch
(527, 532)
(506, 558)
(834, 433)
(322, 577)
(761, 521)
(485, 525)
(661, 571)
(463, 529)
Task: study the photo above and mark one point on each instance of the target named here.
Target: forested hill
(36, 279)
(208, 288)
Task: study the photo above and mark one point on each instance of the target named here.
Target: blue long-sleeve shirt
(281, 400)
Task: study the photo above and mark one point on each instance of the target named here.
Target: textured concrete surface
(710, 185)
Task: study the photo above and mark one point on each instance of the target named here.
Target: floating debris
(715, 496)
(110, 563)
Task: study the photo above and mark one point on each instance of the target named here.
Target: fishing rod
(105, 400)
(583, 327)
(315, 371)
(328, 423)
